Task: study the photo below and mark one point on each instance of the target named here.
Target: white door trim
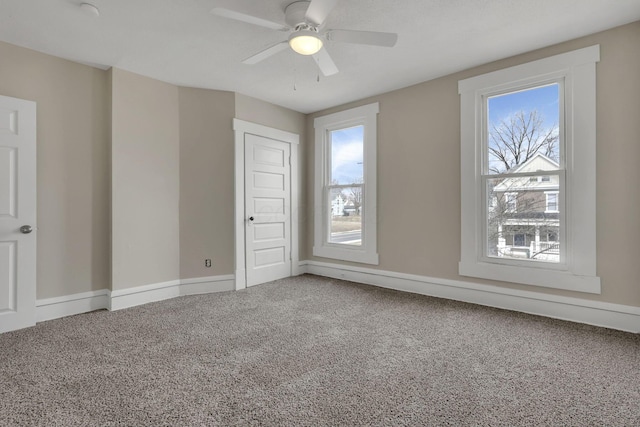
(240, 128)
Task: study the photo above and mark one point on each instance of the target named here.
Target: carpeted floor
(311, 351)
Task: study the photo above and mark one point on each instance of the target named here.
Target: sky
(545, 100)
(347, 155)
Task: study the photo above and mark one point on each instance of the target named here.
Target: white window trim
(578, 71)
(367, 253)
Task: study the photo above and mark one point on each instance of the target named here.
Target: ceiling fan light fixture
(305, 42)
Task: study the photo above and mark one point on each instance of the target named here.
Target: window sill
(352, 255)
(531, 276)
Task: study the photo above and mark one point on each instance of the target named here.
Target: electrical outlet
(207, 262)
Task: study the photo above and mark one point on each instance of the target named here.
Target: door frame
(241, 128)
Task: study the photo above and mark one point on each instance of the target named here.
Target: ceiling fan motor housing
(294, 15)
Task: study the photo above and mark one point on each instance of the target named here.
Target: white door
(267, 209)
(17, 213)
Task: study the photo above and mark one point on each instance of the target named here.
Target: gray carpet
(311, 351)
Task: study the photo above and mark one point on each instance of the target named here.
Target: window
(518, 239)
(510, 202)
(345, 185)
(552, 201)
(522, 144)
(540, 179)
(528, 141)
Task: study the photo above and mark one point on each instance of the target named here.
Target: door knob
(26, 229)
(250, 218)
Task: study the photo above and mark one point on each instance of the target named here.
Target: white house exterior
(337, 205)
(524, 212)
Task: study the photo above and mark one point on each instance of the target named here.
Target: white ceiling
(181, 42)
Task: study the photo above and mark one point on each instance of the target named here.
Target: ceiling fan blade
(270, 51)
(238, 16)
(374, 38)
(325, 63)
(319, 10)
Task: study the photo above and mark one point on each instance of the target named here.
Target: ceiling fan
(305, 23)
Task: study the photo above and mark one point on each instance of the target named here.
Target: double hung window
(528, 173)
(552, 201)
(345, 185)
(523, 161)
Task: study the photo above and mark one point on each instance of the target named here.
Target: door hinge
(289, 160)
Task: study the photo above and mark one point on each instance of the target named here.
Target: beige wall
(172, 180)
(145, 156)
(72, 167)
(263, 113)
(267, 114)
(419, 170)
(207, 173)
(206, 182)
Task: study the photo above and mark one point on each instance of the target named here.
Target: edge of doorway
(240, 128)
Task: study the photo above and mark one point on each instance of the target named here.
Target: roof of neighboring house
(534, 163)
(539, 162)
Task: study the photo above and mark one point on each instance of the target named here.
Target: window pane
(345, 218)
(347, 155)
(523, 127)
(519, 223)
(552, 202)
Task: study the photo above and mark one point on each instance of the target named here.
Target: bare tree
(518, 138)
(355, 195)
(516, 216)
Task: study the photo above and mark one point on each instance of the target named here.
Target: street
(347, 237)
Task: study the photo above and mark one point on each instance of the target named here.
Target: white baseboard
(131, 297)
(207, 285)
(69, 305)
(614, 316)
(608, 315)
